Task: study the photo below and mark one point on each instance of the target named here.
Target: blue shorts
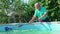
(46, 20)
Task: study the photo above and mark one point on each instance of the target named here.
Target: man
(40, 13)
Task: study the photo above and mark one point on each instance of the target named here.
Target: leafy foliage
(23, 12)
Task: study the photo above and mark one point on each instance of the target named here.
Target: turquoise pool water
(34, 28)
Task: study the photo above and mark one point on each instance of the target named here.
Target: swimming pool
(26, 28)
